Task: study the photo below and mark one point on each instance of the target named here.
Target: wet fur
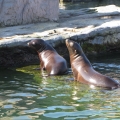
(50, 60)
(83, 70)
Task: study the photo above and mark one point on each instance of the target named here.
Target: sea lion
(50, 60)
(83, 70)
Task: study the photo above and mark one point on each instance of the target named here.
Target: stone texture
(102, 28)
(98, 40)
(15, 12)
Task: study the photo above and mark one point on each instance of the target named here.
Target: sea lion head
(73, 47)
(37, 44)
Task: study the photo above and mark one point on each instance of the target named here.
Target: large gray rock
(15, 12)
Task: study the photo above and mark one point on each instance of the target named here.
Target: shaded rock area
(17, 56)
(96, 29)
(22, 56)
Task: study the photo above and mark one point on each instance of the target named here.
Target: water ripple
(22, 95)
(22, 98)
(80, 114)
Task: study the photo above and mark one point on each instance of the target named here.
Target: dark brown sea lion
(83, 70)
(50, 60)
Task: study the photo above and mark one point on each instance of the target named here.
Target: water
(88, 4)
(26, 95)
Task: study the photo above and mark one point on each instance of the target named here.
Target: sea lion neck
(45, 48)
(42, 48)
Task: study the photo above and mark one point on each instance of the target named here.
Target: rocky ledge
(97, 29)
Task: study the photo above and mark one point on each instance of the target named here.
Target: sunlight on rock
(107, 9)
(105, 17)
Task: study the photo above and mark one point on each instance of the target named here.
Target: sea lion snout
(71, 46)
(33, 42)
(69, 42)
(29, 43)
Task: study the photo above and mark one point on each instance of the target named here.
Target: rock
(108, 39)
(15, 12)
(98, 40)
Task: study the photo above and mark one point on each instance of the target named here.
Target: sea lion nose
(67, 41)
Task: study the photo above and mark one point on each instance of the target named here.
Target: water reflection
(25, 94)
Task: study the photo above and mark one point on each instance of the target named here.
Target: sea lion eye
(71, 44)
(33, 43)
(75, 51)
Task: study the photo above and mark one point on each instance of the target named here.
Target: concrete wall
(15, 12)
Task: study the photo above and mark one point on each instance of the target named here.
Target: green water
(88, 4)
(26, 95)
